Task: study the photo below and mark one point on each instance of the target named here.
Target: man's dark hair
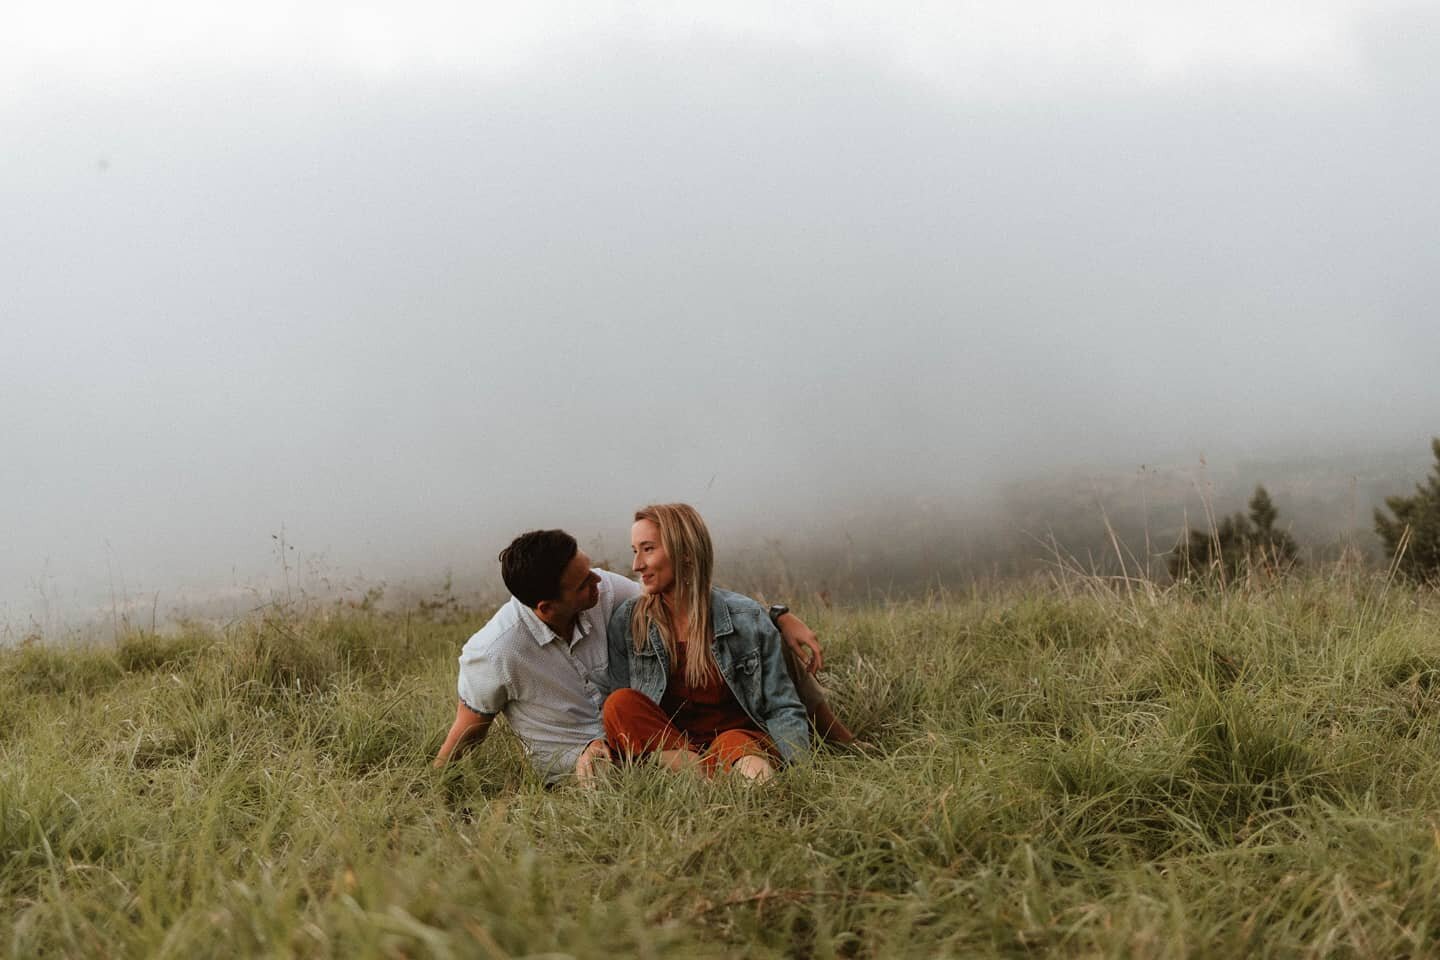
(533, 563)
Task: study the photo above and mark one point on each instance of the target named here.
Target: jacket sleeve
(784, 713)
(617, 635)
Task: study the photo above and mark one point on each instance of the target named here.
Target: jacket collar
(720, 623)
(719, 615)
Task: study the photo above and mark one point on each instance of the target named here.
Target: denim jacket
(747, 650)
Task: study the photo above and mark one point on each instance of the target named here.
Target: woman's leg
(635, 726)
(817, 708)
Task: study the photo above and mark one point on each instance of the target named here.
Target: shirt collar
(540, 631)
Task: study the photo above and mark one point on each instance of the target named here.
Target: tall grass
(1053, 770)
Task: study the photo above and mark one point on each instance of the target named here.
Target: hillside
(1053, 768)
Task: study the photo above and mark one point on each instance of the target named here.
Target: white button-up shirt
(543, 683)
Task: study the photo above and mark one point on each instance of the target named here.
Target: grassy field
(1055, 771)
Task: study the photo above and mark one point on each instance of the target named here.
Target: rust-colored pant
(635, 726)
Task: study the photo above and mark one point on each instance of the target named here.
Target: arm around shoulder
(800, 639)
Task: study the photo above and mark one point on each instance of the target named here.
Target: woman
(696, 674)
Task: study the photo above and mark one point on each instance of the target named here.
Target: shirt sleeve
(482, 685)
(621, 588)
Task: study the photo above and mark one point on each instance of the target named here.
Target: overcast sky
(404, 281)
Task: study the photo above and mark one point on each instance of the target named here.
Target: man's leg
(817, 708)
(636, 727)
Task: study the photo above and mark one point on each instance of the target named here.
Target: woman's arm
(617, 636)
(784, 713)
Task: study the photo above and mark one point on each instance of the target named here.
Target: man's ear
(545, 607)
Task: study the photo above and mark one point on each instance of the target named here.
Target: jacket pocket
(648, 673)
(747, 687)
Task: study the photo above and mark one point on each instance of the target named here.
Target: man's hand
(594, 758)
(802, 642)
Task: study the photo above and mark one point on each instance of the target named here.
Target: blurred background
(347, 295)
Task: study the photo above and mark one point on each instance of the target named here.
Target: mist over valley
(890, 312)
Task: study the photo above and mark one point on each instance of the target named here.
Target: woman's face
(657, 573)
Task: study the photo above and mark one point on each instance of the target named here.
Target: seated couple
(697, 677)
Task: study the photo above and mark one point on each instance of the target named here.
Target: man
(539, 656)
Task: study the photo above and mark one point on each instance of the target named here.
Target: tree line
(1245, 544)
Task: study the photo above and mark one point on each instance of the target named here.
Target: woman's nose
(635, 564)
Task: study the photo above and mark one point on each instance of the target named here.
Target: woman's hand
(802, 642)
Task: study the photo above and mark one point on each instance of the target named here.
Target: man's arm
(469, 728)
(801, 640)
(797, 636)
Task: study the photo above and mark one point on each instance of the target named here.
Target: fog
(395, 288)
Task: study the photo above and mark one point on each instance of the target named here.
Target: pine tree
(1269, 547)
(1262, 511)
(1238, 545)
(1417, 524)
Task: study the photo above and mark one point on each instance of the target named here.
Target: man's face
(579, 589)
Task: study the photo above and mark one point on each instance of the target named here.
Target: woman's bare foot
(677, 761)
(754, 768)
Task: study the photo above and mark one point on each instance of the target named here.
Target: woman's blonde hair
(686, 542)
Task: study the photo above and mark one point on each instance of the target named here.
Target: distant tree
(1416, 524)
(1237, 545)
